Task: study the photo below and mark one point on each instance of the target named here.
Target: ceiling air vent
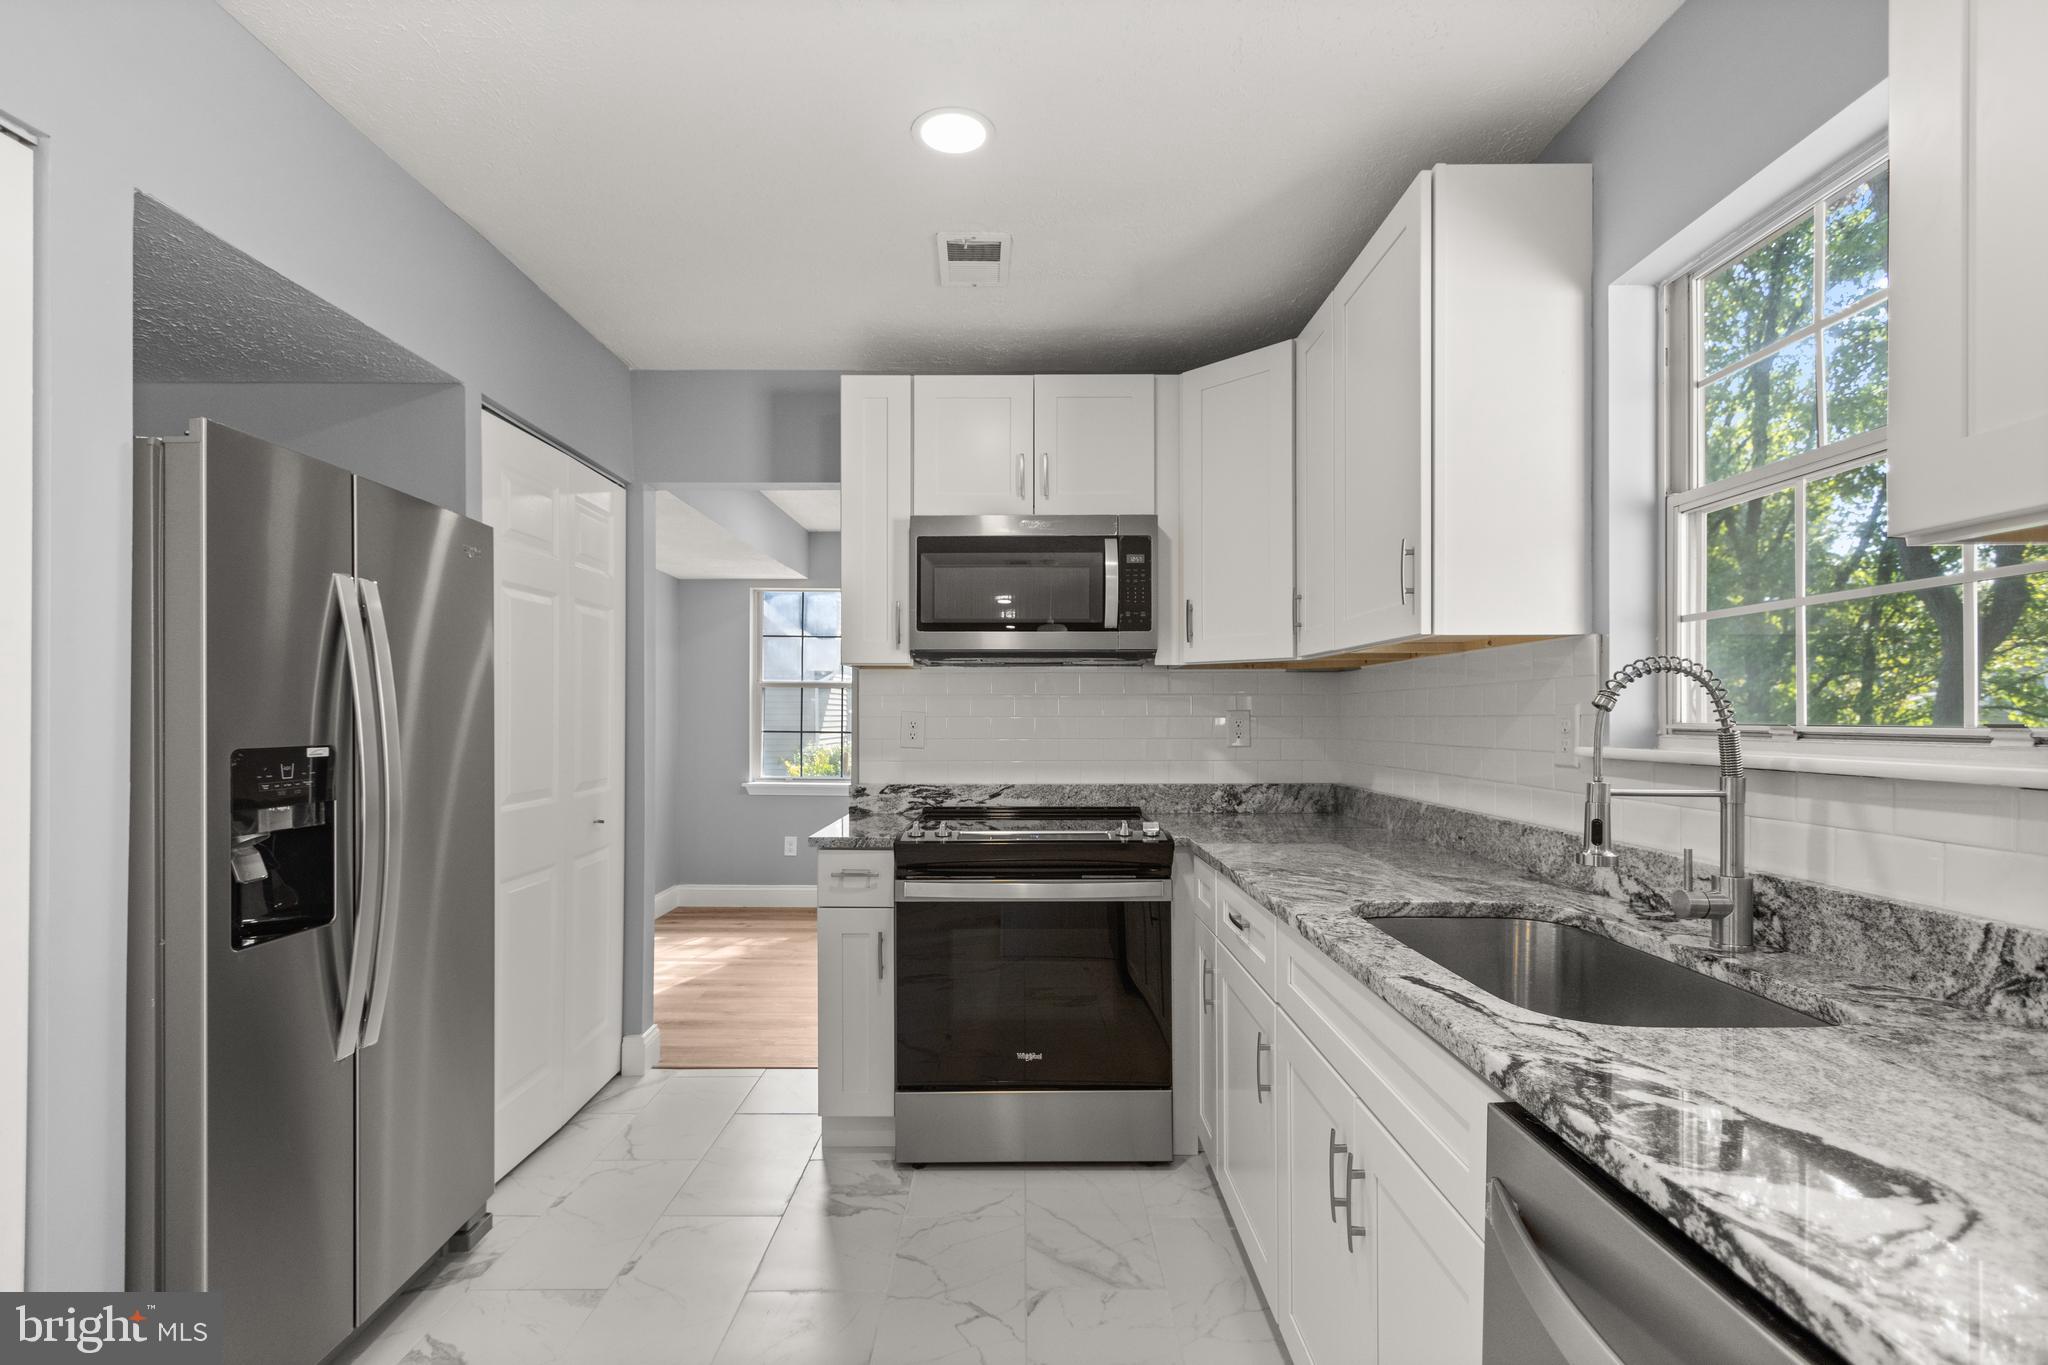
(974, 258)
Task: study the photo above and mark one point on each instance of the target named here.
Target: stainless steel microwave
(1033, 589)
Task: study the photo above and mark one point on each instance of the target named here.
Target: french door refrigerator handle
(1576, 1339)
(394, 808)
(370, 785)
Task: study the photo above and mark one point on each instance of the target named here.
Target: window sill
(2027, 769)
(779, 788)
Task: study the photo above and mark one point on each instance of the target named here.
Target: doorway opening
(753, 739)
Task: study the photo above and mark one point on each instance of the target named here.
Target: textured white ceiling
(207, 313)
(814, 509)
(733, 184)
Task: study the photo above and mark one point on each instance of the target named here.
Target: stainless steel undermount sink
(1574, 973)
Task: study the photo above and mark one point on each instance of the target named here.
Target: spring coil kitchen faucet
(1729, 901)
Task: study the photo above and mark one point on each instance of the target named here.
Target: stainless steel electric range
(1033, 1005)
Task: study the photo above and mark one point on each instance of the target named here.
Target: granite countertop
(1884, 1181)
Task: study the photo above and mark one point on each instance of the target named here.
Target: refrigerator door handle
(375, 845)
(393, 804)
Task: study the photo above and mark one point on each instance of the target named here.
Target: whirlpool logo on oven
(171, 1328)
(1031, 1056)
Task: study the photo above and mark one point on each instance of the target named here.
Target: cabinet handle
(1237, 921)
(1021, 494)
(1260, 1084)
(1208, 987)
(1044, 473)
(1191, 620)
(1352, 1232)
(1401, 570)
(881, 938)
(899, 624)
(1297, 611)
(866, 874)
(1337, 1201)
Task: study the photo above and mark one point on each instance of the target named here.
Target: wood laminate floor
(737, 988)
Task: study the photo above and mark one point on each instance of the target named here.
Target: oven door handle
(1112, 592)
(997, 889)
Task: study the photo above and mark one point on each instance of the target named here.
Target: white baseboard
(640, 1052)
(794, 895)
(860, 1133)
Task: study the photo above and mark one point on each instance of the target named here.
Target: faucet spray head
(1598, 850)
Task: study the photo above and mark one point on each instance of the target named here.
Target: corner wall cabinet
(1045, 445)
(1348, 1147)
(1442, 450)
(874, 537)
(1968, 449)
(1237, 509)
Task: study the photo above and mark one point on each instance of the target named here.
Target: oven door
(1060, 986)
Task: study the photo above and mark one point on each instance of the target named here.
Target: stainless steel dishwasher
(1581, 1272)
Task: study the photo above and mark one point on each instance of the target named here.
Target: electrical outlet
(913, 730)
(789, 845)
(1240, 729)
(1565, 740)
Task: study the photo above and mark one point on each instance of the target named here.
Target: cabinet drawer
(1428, 1101)
(856, 877)
(1246, 930)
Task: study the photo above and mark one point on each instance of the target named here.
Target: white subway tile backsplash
(1952, 813)
(1997, 884)
(2032, 831)
(1888, 865)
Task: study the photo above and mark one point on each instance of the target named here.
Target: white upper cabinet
(1451, 361)
(974, 452)
(1237, 508)
(874, 538)
(1053, 445)
(1969, 411)
(1095, 450)
(1315, 486)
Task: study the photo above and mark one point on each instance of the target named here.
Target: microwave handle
(1110, 590)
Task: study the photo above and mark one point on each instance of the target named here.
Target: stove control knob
(1151, 828)
(1123, 829)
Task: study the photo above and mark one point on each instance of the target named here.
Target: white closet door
(17, 503)
(560, 689)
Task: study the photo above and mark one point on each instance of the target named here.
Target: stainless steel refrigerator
(311, 961)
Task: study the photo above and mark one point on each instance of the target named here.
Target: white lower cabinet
(1325, 1304)
(1246, 1115)
(856, 1011)
(1428, 1268)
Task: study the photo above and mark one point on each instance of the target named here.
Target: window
(801, 690)
(1785, 580)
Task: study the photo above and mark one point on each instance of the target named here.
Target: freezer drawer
(1581, 1272)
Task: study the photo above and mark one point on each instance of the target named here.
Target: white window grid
(839, 707)
(1688, 507)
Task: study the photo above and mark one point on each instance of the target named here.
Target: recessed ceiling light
(952, 131)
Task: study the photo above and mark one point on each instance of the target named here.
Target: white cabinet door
(1315, 488)
(560, 681)
(1969, 413)
(1428, 1266)
(1325, 1301)
(1247, 1127)
(1206, 1030)
(856, 1011)
(1095, 445)
(874, 537)
(1237, 508)
(1380, 492)
(972, 450)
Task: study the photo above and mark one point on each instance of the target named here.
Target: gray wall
(736, 426)
(411, 437)
(715, 832)
(173, 98)
(1720, 91)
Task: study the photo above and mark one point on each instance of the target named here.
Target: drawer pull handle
(1239, 922)
(867, 874)
(1352, 1232)
(1260, 1084)
(1337, 1201)
(881, 940)
(1208, 987)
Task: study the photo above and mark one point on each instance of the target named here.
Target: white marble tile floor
(690, 1218)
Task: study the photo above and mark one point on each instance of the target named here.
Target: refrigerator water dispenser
(281, 860)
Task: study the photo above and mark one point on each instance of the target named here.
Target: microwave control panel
(1134, 583)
